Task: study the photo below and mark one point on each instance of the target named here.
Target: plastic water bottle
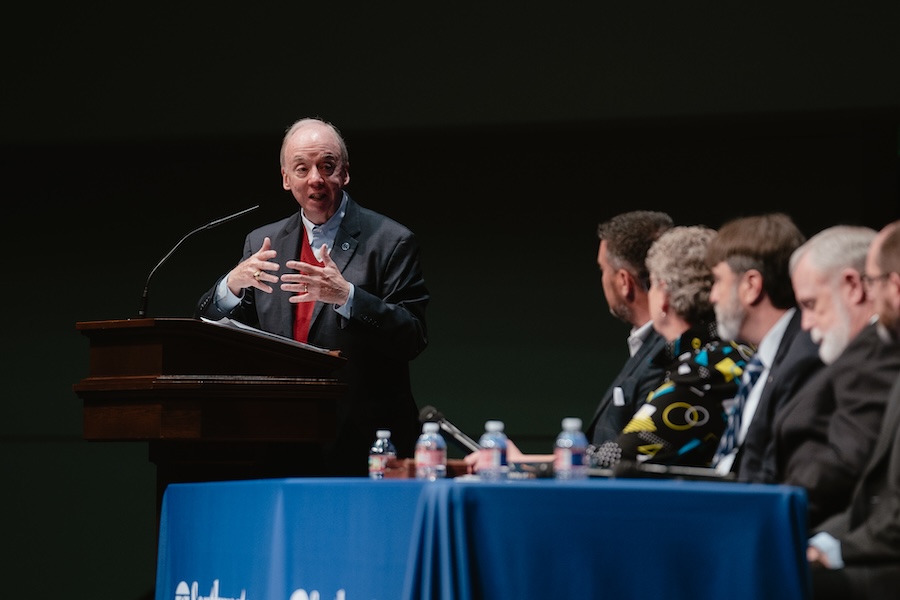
(492, 455)
(569, 454)
(381, 453)
(431, 453)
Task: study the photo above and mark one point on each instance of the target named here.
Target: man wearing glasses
(856, 553)
(825, 433)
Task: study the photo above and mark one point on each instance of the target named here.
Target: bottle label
(378, 463)
(427, 457)
(564, 459)
(490, 458)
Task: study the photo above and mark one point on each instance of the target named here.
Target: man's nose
(807, 320)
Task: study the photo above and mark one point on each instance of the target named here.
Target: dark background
(500, 135)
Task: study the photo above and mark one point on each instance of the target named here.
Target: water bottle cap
(493, 426)
(383, 434)
(430, 427)
(571, 423)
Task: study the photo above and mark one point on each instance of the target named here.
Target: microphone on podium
(142, 311)
(430, 413)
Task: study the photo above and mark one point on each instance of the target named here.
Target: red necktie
(304, 309)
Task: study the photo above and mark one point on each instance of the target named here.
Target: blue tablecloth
(613, 539)
(355, 539)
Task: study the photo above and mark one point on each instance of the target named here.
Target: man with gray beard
(824, 435)
(856, 553)
(755, 304)
(826, 274)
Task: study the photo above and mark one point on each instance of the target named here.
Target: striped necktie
(728, 442)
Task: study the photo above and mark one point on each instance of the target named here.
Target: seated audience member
(856, 553)
(624, 242)
(825, 433)
(681, 421)
(754, 303)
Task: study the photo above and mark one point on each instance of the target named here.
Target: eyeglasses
(870, 279)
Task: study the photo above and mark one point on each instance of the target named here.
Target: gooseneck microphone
(143, 309)
(430, 413)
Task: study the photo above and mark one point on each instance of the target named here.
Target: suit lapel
(287, 246)
(781, 357)
(644, 353)
(345, 244)
(346, 240)
(889, 425)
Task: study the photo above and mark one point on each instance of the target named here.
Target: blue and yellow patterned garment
(682, 419)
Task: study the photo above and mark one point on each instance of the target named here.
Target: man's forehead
(315, 153)
(722, 268)
(313, 138)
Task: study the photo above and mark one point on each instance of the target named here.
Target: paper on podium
(226, 322)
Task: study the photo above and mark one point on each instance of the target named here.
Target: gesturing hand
(312, 282)
(254, 272)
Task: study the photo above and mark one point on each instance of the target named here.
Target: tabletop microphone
(430, 413)
(143, 309)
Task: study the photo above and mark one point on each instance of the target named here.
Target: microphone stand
(142, 311)
(430, 413)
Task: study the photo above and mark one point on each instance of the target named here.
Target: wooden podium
(214, 402)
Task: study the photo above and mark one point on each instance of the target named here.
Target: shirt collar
(326, 232)
(638, 336)
(768, 346)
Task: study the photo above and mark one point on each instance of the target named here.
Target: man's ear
(627, 284)
(750, 288)
(893, 291)
(851, 280)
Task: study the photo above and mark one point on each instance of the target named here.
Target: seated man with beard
(825, 433)
(856, 553)
(755, 304)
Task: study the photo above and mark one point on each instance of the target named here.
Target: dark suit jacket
(824, 435)
(385, 331)
(639, 376)
(869, 530)
(796, 360)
